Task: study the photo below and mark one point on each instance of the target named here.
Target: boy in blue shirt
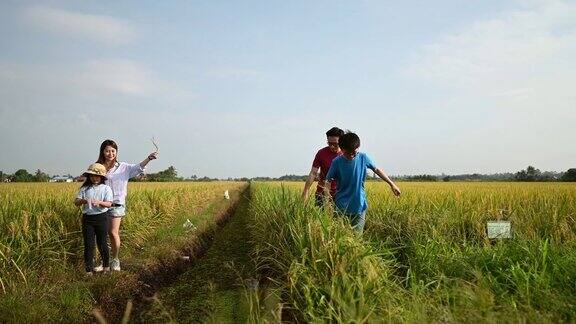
(350, 171)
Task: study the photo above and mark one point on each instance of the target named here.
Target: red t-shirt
(323, 160)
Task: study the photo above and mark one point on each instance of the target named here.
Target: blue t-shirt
(350, 176)
(98, 192)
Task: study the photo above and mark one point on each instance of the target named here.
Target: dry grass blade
(155, 145)
(3, 287)
(99, 317)
(127, 312)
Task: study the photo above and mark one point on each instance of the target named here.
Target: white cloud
(30, 86)
(94, 27)
(505, 86)
(120, 76)
(526, 54)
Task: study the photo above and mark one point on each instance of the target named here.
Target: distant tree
(22, 176)
(41, 176)
(530, 174)
(446, 178)
(533, 173)
(521, 175)
(422, 178)
(263, 179)
(569, 175)
(293, 177)
(169, 174)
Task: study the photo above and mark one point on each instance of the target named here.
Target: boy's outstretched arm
(309, 181)
(385, 177)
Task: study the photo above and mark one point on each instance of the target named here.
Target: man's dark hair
(334, 131)
(349, 141)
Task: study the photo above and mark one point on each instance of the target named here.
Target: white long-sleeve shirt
(117, 179)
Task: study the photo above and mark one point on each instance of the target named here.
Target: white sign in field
(498, 229)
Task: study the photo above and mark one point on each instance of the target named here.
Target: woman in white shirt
(118, 174)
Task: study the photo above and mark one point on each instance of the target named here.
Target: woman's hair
(88, 182)
(108, 142)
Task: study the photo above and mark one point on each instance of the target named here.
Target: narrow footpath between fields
(214, 287)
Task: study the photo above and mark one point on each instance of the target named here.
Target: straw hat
(96, 169)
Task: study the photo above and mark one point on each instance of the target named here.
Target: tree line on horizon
(530, 174)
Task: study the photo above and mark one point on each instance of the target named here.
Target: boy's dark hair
(334, 131)
(349, 141)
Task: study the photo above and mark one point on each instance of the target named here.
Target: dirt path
(212, 289)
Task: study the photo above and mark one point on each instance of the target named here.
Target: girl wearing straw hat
(118, 174)
(96, 199)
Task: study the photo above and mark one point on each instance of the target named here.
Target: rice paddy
(423, 257)
(41, 243)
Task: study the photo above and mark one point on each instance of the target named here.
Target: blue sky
(248, 88)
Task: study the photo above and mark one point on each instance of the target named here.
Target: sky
(249, 88)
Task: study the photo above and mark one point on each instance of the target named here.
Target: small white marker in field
(498, 229)
(226, 195)
(188, 224)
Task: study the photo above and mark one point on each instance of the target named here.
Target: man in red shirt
(322, 162)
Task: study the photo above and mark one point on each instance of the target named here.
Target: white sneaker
(98, 268)
(115, 265)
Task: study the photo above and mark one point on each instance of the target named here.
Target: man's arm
(327, 184)
(311, 177)
(385, 177)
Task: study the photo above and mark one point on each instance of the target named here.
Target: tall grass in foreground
(41, 243)
(327, 273)
(439, 234)
(424, 257)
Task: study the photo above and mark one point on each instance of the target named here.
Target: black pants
(95, 226)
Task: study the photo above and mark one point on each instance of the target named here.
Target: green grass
(41, 248)
(212, 289)
(424, 257)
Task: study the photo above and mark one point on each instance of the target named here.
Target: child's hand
(153, 156)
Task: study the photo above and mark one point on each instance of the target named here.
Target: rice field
(41, 244)
(424, 257)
